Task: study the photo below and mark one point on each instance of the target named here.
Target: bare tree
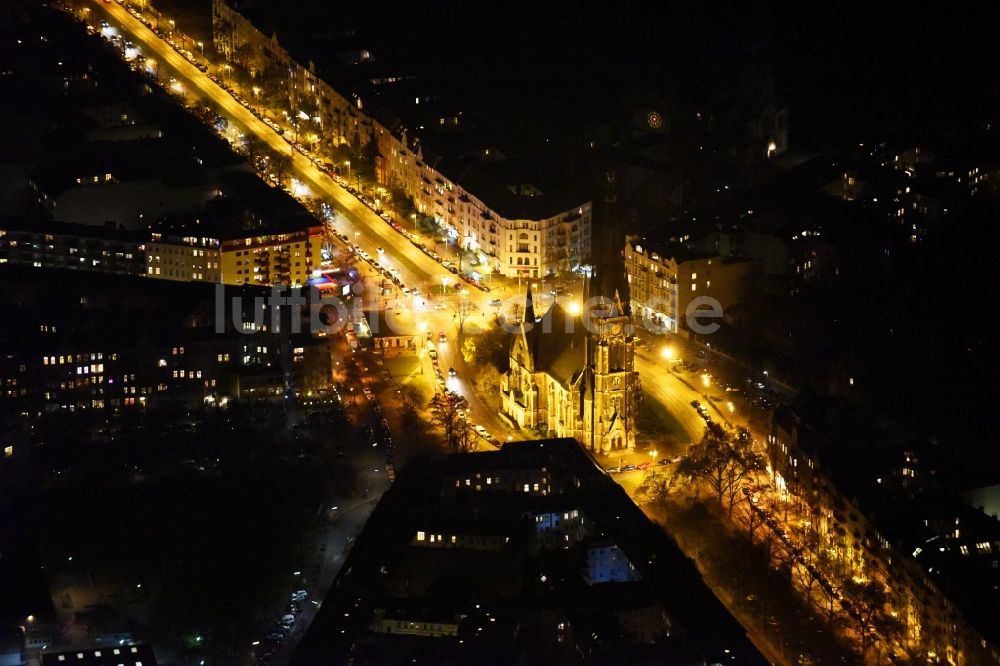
(465, 436)
(463, 309)
(448, 410)
(868, 608)
(656, 488)
(280, 165)
(725, 461)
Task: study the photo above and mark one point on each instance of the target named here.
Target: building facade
(72, 246)
(287, 258)
(664, 287)
(799, 462)
(189, 258)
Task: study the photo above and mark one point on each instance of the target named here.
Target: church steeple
(529, 307)
(608, 278)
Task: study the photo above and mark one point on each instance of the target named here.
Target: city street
(355, 219)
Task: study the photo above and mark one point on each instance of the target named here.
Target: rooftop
(383, 570)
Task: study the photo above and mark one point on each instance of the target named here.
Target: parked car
(628, 468)
(442, 338)
(452, 372)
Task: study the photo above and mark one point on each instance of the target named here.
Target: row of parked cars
(280, 628)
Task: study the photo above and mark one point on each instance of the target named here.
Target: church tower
(613, 383)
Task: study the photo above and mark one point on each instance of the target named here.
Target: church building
(574, 375)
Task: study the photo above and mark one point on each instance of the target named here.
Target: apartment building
(77, 247)
(185, 258)
(665, 282)
(514, 228)
(264, 259)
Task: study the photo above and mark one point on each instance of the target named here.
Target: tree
(448, 410)
(868, 608)
(280, 166)
(516, 312)
(725, 461)
(463, 309)
(353, 374)
(255, 149)
(657, 487)
(755, 514)
(465, 440)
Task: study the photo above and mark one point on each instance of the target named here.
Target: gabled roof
(557, 345)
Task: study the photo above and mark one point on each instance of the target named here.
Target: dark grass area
(657, 424)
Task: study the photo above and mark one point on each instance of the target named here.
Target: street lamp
(444, 283)
(652, 454)
(201, 46)
(667, 353)
(574, 308)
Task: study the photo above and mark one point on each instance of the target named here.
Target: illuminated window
(421, 536)
(8, 451)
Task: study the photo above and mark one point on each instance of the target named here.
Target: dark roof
(128, 161)
(485, 183)
(557, 344)
(16, 223)
(384, 571)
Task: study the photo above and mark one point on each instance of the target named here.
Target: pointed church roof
(608, 277)
(557, 344)
(529, 307)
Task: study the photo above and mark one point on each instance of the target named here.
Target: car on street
(368, 393)
(452, 372)
(664, 461)
(299, 595)
(442, 338)
(695, 404)
(644, 465)
(495, 303)
(629, 468)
